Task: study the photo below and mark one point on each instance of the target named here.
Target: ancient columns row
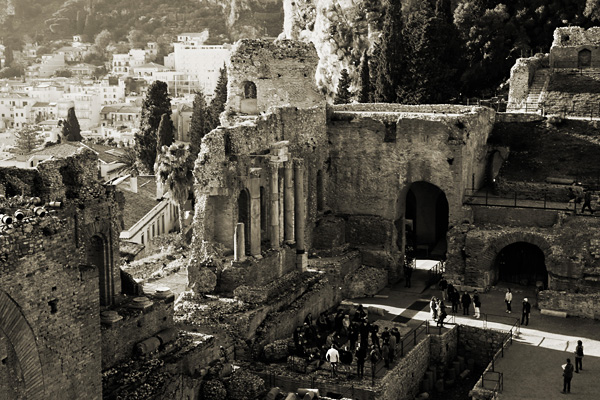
(294, 214)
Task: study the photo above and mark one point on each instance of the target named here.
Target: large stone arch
(97, 238)
(19, 333)
(489, 254)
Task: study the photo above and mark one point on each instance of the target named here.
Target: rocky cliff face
(341, 30)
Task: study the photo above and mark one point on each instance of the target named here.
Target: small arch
(521, 263)
(97, 256)
(249, 95)
(244, 217)
(584, 58)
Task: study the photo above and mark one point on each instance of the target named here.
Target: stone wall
(569, 41)
(402, 382)
(521, 77)
(571, 250)
(574, 304)
(119, 339)
(515, 216)
(444, 348)
(52, 277)
(283, 73)
(479, 344)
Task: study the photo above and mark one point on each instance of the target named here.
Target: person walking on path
(567, 376)
(361, 356)
(526, 312)
(443, 285)
(477, 304)
(587, 201)
(579, 356)
(508, 300)
(333, 356)
(466, 302)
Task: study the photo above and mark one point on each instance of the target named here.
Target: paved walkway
(532, 365)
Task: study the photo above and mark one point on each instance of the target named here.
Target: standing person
(587, 201)
(385, 335)
(454, 299)
(353, 334)
(396, 334)
(443, 285)
(361, 355)
(526, 311)
(466, 302)
(567, 376)
(508, 300)
(578, 356)
(433, 308)
(477, 304)
(333, 356)
(374, 337)
(374, 356)
(385, 353)
(393, 343)
(407, 272)
(441, 313)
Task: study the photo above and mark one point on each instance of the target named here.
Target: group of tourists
(338, 338)
(568, 367)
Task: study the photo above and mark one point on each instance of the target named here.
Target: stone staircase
(536, 93)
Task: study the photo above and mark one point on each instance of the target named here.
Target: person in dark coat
(567, 376)
(454, 299)
(443, 285)
(408, 270)
(374, 337)
(374, 356)
(587, 201)
(385, 335)
(353, 334)
(361, 356)
(579, 356)
(385, 353)
(466, 302)
(396, 333)
(526, 312)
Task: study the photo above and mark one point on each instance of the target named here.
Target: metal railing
(520, 200)
(497, 381)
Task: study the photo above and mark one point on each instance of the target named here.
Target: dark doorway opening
(584, 58)
(522, 263)
(426, 215)
(244, 217)
(97, 257)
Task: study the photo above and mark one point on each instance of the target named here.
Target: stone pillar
(274, 188)
(254, 190)
(288, 197)
(300, 212)
(239, 247)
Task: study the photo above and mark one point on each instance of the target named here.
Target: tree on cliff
(165, 135)
(343, 95)
(156, 103)
(70, 127)
(217, 104)
(389, 61)
(174, 170)
(28, 139)
(201, 123)
(365, 80)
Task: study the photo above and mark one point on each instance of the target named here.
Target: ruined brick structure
(57, 272)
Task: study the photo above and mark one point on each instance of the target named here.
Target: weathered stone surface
(366, 281)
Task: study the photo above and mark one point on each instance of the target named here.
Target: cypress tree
(165, 132)
(217, 104)
(70, 127)
(201, 123)
(390, 62)
(365, 80)
(156, 103)
(343, 93)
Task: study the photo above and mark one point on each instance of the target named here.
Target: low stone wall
(574, 304)
(444, 348)
(518, 117)
(119, 339)
(479, 344)
(515, 216)
(402, 382)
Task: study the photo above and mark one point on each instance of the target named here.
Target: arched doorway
(249, 95)
(426, 215)
(522, 263)
(244, 217)
(584, 58)
(97, 256)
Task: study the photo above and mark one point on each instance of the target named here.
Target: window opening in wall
(249, 90)
(53, 306)
(97, 256)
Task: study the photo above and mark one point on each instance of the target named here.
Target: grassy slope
(538, 152)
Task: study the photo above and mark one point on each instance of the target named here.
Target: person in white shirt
(333, 356)
(508, 300)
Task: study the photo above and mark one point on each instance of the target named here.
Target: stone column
(254, 190)
(239, 247)
(299, 201)
(288, 197)
(274, 188)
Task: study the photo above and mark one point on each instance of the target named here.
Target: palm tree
(128, 160)
(174, 170)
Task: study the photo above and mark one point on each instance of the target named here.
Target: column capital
(298, 162)
(288, 164)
